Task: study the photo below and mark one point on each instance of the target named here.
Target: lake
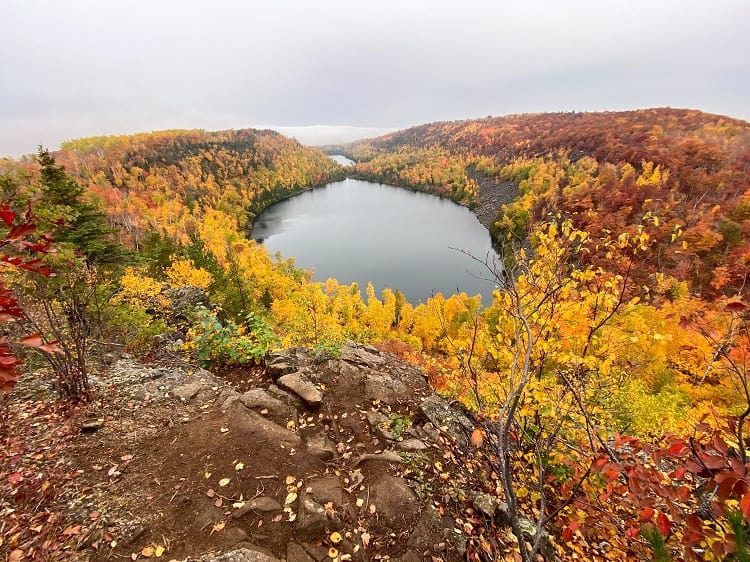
(360, 231)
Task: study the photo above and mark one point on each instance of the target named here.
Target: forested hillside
(605, 171)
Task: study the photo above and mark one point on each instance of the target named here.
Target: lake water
(341, 159)
(359, 231)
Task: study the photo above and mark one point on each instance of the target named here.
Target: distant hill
(690, 170)
(165, 180)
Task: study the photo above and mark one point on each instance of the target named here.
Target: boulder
(302, 387)
(259, 428)
(311, 519)
(262, 503)
(185, 392)
(360, 355)
(251, 554)
(258, 399)
(452, 422)
(395, 501)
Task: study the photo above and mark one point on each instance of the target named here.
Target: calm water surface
(359, 231)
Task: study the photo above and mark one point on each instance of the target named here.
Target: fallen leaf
(72, 530)
(360, 502)
(373, 509)
(291, 497)
(224, 429)
(335, 537)
(290, 480)
(211, 493)
(126, 457)
(218, 527)
(159, 551)
(15, 477)
(278, 518)
(206, 475)
(147, 552)
(217, 503)
(239, 466)
(477, 437)
(16, 555)
(333, 552)
(223, 482)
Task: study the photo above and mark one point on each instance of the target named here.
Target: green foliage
(71, 220)
(656, 541)
(131, 324)
(737, 522)
(220, 344)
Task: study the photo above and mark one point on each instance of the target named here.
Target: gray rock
(326, 489)
(258, 399)
(485, 504)
(302, 387)
(254, 554)
(311, 519)
(385, 388)
(230, 537)
(452, 422)
(183, 301)
(226, 398)
(411, 445)
(395, 501)
(354, 353)
(186, 391)
(259, 428)
(295, 553)
(428, 530)
(262, 503)
(321, 447)
(279, 369)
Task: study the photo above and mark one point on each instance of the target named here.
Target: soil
(167, 461)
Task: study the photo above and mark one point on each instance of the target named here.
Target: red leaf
(646, 514)
(745, 505)
(678, 474)
(33, 340)
(569, 530)
(663, 524)
(735, 306)
(694, 523)
(677, 448)
(7, 215)
(21, 230)
(477, 437)
(15, 477)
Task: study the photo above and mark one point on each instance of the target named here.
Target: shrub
(220, 344)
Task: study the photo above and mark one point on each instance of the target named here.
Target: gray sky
(77, 68)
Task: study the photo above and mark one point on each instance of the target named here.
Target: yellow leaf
(218, 526)
(333, 552)
(223, 482)
(159, 551)
(290, 498)
(335, 537)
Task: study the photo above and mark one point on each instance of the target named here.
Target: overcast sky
(77, 68)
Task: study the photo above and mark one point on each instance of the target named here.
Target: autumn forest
(607, 380)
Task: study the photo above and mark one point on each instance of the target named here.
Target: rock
(452, 422)
(279, 369)
(394, 500)
(409, 556)
(186, 391)
(258, 428)
(92, 425)
(485, 504)
(302, 387)
(326, 489)
(226, 398)
(183, 301)
(295, 553)
(230, 537)
(254, 554)
(427, 532)
(411, 445)
(261, 503)
(258, 399)
(356, 354)
(379, 424)
(383, 387)
(311, 519)
(321, 447)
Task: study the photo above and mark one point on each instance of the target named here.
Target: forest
(607, 380)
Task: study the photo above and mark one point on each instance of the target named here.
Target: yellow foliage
(183, 272)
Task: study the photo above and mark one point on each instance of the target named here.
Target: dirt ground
(167, 462)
